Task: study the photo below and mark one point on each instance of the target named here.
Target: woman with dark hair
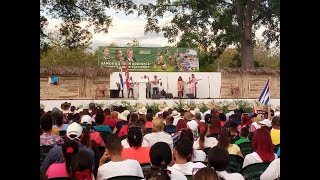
(206, 173)
(149, 118)
(224, 141)
(203, 141)
(219, 159)
(160, 157)
(263, 148)
(182, 154)
(136, 151)
(55, 170)
(197, 155)
(81, 167)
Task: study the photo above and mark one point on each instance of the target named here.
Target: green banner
(169, 59)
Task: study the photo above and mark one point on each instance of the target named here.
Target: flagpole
(269, 106)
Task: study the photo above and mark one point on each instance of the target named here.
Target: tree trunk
(247, 58)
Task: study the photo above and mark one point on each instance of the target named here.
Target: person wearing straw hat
(176, 117)
(231, 108)
(161, 108)
(210, 106)
(142, 111)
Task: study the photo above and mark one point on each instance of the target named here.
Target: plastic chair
(44, 150)
(254, 171)
(235, 164)
(125, 178)
(246, 148)
(189, 177)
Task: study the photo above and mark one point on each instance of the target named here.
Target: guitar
(196, 81)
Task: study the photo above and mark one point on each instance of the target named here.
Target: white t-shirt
(122, 168)
(198, 155)
(159, 137)
(125, 144)
(176, 175)
(208, 142)
(253, 158)
(186, 169)
(231, 176)
(273, 170)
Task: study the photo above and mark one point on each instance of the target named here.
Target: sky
(126, 28)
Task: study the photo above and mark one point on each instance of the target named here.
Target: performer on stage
(155, 85)
(131, 87)
(192, 82)
(180, 87)
(120, 90)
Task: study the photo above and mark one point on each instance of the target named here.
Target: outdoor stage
(51, 103)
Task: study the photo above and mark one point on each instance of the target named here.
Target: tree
(72, 13)
(133, 43)
(216, 24)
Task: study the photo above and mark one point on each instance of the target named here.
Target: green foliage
(214, 25)
(154, 107)
(178, 105)
(134, 43)
(245, 105)
(128, 106)
(202, 107)
(69, 57)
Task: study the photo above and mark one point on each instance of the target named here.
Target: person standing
(131, 87)
(155, 85)
(193, 82)
(180, 87)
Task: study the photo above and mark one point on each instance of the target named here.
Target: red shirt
(123, 131)
(109, 122)
(141, 154)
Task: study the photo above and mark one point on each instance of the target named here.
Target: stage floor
(51, 103)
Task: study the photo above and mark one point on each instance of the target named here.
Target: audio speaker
(190, 96)
(155, 96)
(114, 93)
(168, 96)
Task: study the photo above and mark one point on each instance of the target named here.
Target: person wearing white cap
(86, 121)
(55, 155)
(176, 117)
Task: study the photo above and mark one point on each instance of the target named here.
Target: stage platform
(51, 103)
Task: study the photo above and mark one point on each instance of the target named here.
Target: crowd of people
(95, 143)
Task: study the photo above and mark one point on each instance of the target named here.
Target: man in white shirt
(273, 170)
(182, 154)
(219, 158)
(116, 166)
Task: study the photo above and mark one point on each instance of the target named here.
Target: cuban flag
(120, 76)
(265, 95)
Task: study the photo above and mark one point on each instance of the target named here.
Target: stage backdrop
(169, 82)
(158, 59)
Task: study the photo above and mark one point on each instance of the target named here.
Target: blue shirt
(54, 79)
(278, 153)
(103, 128)
(55, 155)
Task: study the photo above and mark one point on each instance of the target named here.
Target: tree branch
(257, 2)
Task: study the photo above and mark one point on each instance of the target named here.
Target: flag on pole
(265, 95)
(127, 76)
(120, 76)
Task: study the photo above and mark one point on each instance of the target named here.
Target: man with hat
(155, 85)
(55, 155)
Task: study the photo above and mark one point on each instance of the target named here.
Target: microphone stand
(209, 88)
(167, 85)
